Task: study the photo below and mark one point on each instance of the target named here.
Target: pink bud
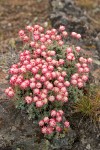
(73, 34)
(29, 67)
(86, 69)
(37, 76)
(53, 74)
(53, 31)
(48, 75)
(53, 37)
(60, 43)
(79, 80)
(78, 65)
(39, 104)
(25, 38)
(41, 29)
(63, 89)
(84, 65)
(74, 82)
(43, 96)
(35, 99)
(29, 28)
(44, 91)
(56, 89)
(65, 99)
(78, 36)
(58, 37)
(34, 70)
(43, 79)
(47, 36)
(32, 85)
(78, 49)
(38, 85)
(28, 99)
(7, 91)
(53, 113)
(49, 130)
(69, 50)
(18, 81)
(43, 47)
(63, 73)
(80, 70)
(44, 130)
(60, 85)
(59, 119)
(36, 91)
(23, 85)
(61, 62)
(49, 86)
(89, 60)
(46, 119)
(21, 33)
(32, 44)
(80, 84)
(81, 59)
(59, 97)
(64, 33)
(51, 98)
(49, 41)
(22, 70)
(52, 123)
(61, 28)
(61, 112)
(69, 57)
(60, 79)
(84, 78)
(36, 37)
(44, 70)
(67, 83)
(66, 123)
(11, 93)
(59, 129)
(41, 123)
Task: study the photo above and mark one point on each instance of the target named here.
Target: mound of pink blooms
(42, 70)
(49, 125)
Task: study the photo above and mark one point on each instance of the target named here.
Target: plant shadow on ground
(85, 119)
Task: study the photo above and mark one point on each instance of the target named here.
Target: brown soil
(93, 13)
(16, 14)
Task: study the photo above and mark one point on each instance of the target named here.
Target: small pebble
(88, 147)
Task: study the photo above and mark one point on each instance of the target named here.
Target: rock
(69, 1)
(57, 5)
(76, 20)
(26, 144)
(46, 24)
(88, 147)
(44, 145)
(97, 40)
(96, 75)
(65, 142)
(13, 128)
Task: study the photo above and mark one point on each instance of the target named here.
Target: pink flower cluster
(10, 92)
(43, 71)
(50, 124)
(81, 76)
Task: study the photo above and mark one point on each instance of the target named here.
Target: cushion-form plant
(48, 74)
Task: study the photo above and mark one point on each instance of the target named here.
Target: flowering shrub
(48, 74)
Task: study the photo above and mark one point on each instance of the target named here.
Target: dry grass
(92, 11)
(13, 2)
(89, 105)
(88, 4)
